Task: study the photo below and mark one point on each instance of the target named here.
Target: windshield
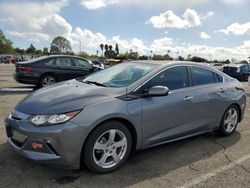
(120, 75)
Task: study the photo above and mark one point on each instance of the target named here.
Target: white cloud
(89, 39)
(35, 21)
(30, 36)
(209, 15)
(190, 18)
(161, 45)
(204, 35)
(236, 29)
(97, 4)
(234, 2)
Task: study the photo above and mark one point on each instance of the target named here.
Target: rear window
(230, 69)
(203, 76)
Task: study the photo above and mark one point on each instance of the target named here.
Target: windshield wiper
(96, 83)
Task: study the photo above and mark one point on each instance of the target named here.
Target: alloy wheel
(231, 120)
(110, 148)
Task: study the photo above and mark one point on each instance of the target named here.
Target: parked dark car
(238, 71)
(47, 70)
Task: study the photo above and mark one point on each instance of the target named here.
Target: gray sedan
(99, 120)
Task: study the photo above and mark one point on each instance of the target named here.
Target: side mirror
(158, 91)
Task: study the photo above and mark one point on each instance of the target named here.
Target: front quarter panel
(94, 114)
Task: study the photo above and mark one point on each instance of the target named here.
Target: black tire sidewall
(87, 156)
(222, 130)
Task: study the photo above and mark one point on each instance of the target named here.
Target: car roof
(172, 63)
(234, 65)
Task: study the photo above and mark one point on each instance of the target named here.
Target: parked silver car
(98, 121)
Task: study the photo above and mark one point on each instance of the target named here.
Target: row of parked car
(239, 71)
(47, 70)
(7, 59)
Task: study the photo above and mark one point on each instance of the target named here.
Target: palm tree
(102, 46)
(110, 47)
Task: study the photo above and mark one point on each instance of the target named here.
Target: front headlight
(39, 120)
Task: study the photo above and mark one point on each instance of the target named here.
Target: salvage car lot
(203, 161)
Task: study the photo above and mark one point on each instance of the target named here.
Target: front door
(168, 117)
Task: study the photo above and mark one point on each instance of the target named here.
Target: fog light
(36, 145)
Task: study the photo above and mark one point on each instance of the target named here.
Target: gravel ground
(202, 161)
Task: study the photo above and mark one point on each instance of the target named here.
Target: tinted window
(218, 78)
(173, 78)
(50, 62)
(63, 61)
(81, 63)
(202, 76)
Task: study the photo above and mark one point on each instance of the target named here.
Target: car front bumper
(56, 145)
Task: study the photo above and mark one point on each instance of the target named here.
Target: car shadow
(141, 166)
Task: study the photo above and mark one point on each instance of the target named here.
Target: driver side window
(173, 78)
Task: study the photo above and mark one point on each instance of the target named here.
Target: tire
(47, 80)
(111, 153)
(229, 121)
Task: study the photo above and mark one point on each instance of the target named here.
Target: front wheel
(108, 147)
(229, 121)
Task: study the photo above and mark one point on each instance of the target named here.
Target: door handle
(188, 98)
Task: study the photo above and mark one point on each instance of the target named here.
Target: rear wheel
(108, 147)
(47, 80)
(229, 121)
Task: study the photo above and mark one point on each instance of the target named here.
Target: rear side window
(202, 76)
(218, 78)
(63, 61)
(81, 63)
(50, 62)
(173, 78)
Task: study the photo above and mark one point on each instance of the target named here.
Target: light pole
(80, 47)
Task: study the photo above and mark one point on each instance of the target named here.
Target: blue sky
(209, 28)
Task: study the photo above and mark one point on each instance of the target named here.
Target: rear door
(172, 116)
(209, 96)
(66, 69)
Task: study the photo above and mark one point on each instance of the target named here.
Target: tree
(110, 47)
(181, 58)
(227, 61)
(60, 45)
(45, 51)
(31, 49)
(117, 49)
(198, 59)
(5, 44)
(19, 51)
(102, 46)
(39, 52)
(244, 62)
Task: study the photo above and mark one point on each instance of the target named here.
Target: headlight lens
(40, 120)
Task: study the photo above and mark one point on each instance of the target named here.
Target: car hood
(65, 97)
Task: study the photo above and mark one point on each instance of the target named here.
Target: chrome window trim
(192, 87)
